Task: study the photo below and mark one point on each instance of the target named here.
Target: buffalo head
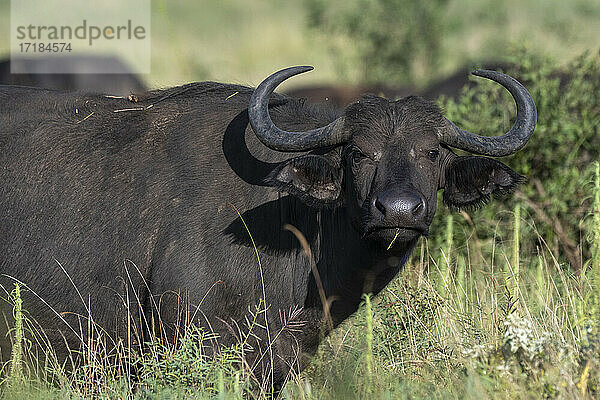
(384, 161)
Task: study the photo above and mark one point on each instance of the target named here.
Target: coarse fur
(117, 210)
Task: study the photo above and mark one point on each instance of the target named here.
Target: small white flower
(519, 336)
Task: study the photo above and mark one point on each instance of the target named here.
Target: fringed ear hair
(313, 178)
(471, 181)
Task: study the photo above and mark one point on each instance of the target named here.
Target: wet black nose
(403, 208)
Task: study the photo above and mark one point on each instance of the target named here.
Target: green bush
(393, 40)
(558, 160)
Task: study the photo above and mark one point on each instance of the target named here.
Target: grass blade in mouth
(394, 239)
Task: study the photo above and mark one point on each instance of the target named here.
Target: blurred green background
(394, 41)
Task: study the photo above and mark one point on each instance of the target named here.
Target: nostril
(379, 206)
(418, 209)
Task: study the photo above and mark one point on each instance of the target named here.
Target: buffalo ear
(311, 177)
(470, 181)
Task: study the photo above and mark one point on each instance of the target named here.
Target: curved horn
(510, 142)
(277, 139)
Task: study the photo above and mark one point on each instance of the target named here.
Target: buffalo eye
(357, 156)
(433, 154)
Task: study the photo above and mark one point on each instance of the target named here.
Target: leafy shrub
(536, 365)
(392, 40)
(558, 160)
(191, 366)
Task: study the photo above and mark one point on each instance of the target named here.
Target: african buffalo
(76, 74)
(127, 212)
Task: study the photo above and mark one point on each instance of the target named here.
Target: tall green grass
(16, 359)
